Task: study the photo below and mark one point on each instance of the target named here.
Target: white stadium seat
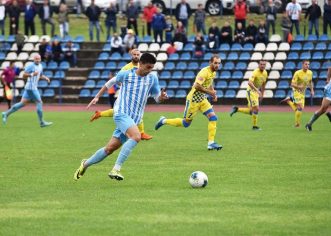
(256, 56)
(33, 39)
(19, 83)
(143, 47)
(271, 47)
(32, 56)
(248, 74)
(277, 65)
(274, 74)
(268, 66)
(19, 64)
(162, 56)
(47, 37)
(241, 94)
(268, 94)
(23, 56)
(271, 84)
(275, 38)
(281, 56)
(164, 47)
(154, 47)
(284, 47)
(244, 84)
(252, 65)
(269, 56)
(28, 47)
(260, 47)
(11, 56)
(158, 66)
(13, 47)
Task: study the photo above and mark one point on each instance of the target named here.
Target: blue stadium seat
(299, 38)
(296, 47)
(44, 64)
(106, 47)
(165, 75)
(315, 65)
(103, 56)
(319, 93)
(171, 93)
(323, 37)
(94, 74)
(320, 84)
(121, 64)
(248, 47)
(293, 56)
(321, 46)
(177, 75)
(79, 39)
(204, 64)
(221, 84)
(189, 75)
(49, 93)
(232, 56)
(173, 84)
(225, 75)
(48, 73)
(283, 84)
(290, 65)
(286, 74)
(222, 55)
(64, 65)
(308, 46)
(280, 94)
(10, 38)
(115, 56)
(323, 74)
(299, 65)
(230, 93)
(66, 38)
(188, 47)
(305, 56)
(52, 65)
(2, 56)
(185, 84)
(186, 56)
(173, 57)
(105, 74)
(228, 66)
(207, 56)
(241, 66)
(312, 37)
(111, 65)
(100, 83)
(193, 66)
(42, 84)
(181, 66)
(126, 57)
(328, 55)
(244, 56)
(236, 47)
(99, 65)
(163, 83)
(318, 56)
(224, 47)
(308, 94)
(181, 93)
(59, 74)
(2, 38)
(89, 84)
(219, 93)
(191, 38)
(234, 84)
(315, 74)
(169, 66)
(237, 75)
(146, 39)
(326, 64)
(55, 83)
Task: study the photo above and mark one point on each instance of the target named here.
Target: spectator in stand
(286, 26)
(212, 42)
(314, 13)
(293, 10)
(45, 14)
(240, 10)
(180, 38)
(327, 17)
(63, 20)
(261, 36)
(45, 50)
(158, 25)
(183, 13)
(116, 44)
(199, 45)
(29, 14)
(19, 40)
(169, 29)
(199, 19)
(214, 30)
(239, 34)
(70, 53)
(149, 12)
(129, 41)
(111, 21)
(57, 52)
(14, 17)
(93, 13)
(7, 79)
(2, 17)
(132, 14)
(271, 16)
(251, 32)
(226, 33)
(171, 49)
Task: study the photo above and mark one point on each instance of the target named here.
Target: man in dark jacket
(327, 17)
(158, 25)
(93, 13)
(132, 14)
(314, 13)
(14, 18)
(183, 13)
(45, 14)
(30, 13)
(110, 20)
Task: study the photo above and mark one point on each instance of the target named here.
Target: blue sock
(40, 112)
(125, 152)
(14, 108)
(96, 157)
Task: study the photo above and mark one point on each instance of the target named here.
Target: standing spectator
(57, 52)
(271, 16)
(45, 50)
(93, 13)
(29, 14)
(286, 26)
(45, 14)
(79, 5)
(226, 33)
(199, 44)
(169, 29)
(116, 44)
(314, 13)
(293, 10)
(14, 17)
(199, 19)
(7, 79)
(132, 14)
(327, 17)
(129, 40)
(112, 92)
(111, 21)
(214, 33)
(19, 40)
(158, 25)
(239, 33)
(183, 13)
(240, 13)
(261, 36)
(149, 12)
(63, 20)
(251, 32)
(70, 53)
(2, 17)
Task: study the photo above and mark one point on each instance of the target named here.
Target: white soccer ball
(198, 179)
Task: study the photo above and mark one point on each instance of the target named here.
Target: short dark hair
(147, 58)
(213, 57)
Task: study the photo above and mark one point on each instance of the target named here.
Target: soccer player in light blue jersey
(326, 102)
(33, 72)
(137, 85)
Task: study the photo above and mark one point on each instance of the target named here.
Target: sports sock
(177, 122)
(40, 112)
(244, 110)
(254, 118)
(107, 113)
(211, 131)
(298, 117)
(124, 153)
(96, 157)
(141, 127)
(328, 114)
(292, 105)
(313, 118)
(14, 108)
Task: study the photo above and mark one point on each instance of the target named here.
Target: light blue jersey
(327, 91)
(134, 93)
(32, 82)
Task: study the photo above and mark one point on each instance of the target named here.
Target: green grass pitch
(273, 182)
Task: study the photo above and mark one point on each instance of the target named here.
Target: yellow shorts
(192, 108)
(252, 98)
(298, 98)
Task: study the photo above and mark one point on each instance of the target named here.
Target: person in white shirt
(116, 44)
(293, 10)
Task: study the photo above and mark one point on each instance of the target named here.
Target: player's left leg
(39, 106)
(105, 113)
(209, 112)
(255, 112)
(298, 114)
(324, 107)
(328, 114)
(24, 100)
(144, 136)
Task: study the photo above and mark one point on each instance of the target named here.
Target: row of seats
(37, 38)
(309, 56)
(309, 46)
(312, 37)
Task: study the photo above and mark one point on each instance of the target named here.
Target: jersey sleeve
(295, 77)
(120, 76)
(155, 89)
(29, 68)
(201, 77)
(253, 76)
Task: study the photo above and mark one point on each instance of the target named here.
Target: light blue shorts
(327, 91)
(32, 95)
(123, 123)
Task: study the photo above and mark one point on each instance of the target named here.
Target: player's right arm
(200, 79)
(294, 83)
(29, 72)
(252, 85)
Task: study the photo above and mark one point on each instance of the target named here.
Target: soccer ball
(198, 179)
